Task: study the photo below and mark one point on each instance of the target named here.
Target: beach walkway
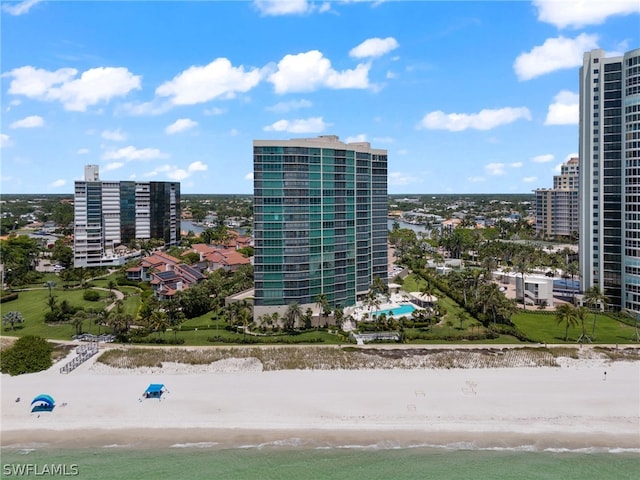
(85, 352)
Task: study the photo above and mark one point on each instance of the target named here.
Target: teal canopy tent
(43, 403)
(154, 390)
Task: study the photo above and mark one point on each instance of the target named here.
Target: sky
(466, 97)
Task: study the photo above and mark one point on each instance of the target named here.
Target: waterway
(187, 225)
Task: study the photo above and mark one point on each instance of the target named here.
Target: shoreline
(204, 438)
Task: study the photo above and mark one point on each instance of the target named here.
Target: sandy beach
(234, 402)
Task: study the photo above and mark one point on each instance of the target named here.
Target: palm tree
(12, 318)
(596, 300)
(50, 284)
(581, 313)
(491, 299)
(159, 321)
(292, 315)
(112, 286)
(372, 301)
(338, 316)
(78, 319)
(52, 303)
(521, 266)
(322, 302)
(566, 313)
(573, 269)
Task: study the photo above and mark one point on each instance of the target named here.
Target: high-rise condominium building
(320, 213)
(557, 208)
(109, 214)
(610, 176)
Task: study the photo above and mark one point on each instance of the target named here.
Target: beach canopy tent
(42, 403)
(154, 390)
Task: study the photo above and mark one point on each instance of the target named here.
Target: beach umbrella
(43, 403)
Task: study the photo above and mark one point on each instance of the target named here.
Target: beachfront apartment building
(609, 150)
(320, 222)
(109, 215)
(557, 208)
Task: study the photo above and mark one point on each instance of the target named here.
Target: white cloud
(180, 125)
(93, 86)
(565, 110)
(543, 158)
(82, 151)
(154, 107)
(58, 183)
(580, 13)
(133, 153)
(390, 75)
(484, 120)
(112, 166)
(402, 178)
(306, 72)
(234, 132)
(374, 47)
(218, 79)
(403, 151)
(529, 179)
(28, 122)
(362, 137)
(178, 174)
(285, 7)
(214, 111)
(19, 8)
(495, 168)
(570, 156)
(5, 140)
(476, 179)
(516, 164)
(554, 54)
(382, 140)
(284, 107)
(249, 176)
(308, 125)
(113, 135)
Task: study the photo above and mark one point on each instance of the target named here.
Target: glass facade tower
(320, 221)
(610, 176)
(109, 214)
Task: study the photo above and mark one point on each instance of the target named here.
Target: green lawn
(32, 304)
(545, 329)
(213, 325)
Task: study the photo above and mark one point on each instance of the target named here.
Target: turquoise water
(402, 309)
(207, 461)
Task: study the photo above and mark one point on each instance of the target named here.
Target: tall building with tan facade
(557, 208)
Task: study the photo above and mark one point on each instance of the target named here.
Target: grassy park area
(454, 326)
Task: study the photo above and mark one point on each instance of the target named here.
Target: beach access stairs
(84, 353)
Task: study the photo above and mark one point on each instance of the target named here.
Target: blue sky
(467, 97)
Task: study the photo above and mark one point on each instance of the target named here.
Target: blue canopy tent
(154, 390)
(43, 403)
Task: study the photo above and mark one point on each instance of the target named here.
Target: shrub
(28, 355)
(91, 295)
(8, 297)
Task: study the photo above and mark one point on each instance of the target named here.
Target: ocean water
(288, 461)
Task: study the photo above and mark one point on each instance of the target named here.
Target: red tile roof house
(220, 257)
(227, 259)
(166, 274)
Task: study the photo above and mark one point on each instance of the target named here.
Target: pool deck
(395, 300)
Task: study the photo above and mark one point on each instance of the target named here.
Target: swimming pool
(402, 309)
